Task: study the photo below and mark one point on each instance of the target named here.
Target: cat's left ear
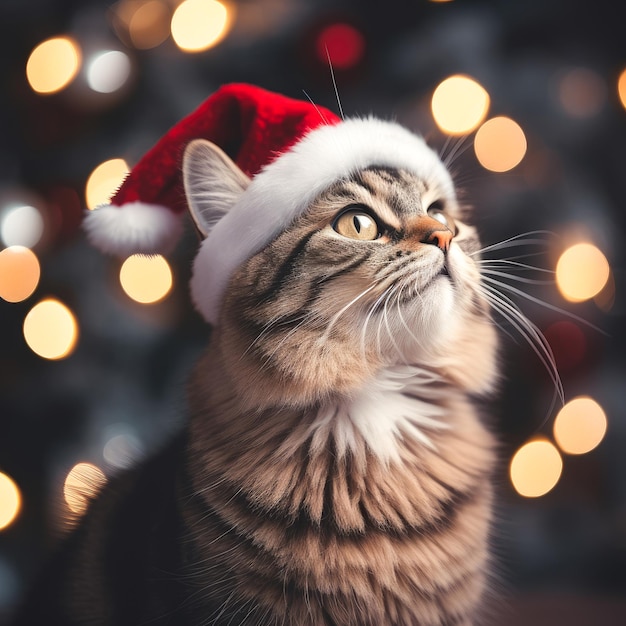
(213, 183)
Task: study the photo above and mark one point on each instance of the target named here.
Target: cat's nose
(432, 231)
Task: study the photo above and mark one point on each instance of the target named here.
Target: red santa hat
(291, 149)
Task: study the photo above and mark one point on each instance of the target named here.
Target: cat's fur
(334, 469)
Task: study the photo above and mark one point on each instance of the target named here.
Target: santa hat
(291, 149)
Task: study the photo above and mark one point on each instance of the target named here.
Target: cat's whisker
(368, 317)
(332, 76)
(515, 264)
(338, 315)
(515, 241)
(520, 279)
(502, 285)
(385, 318)
(529, 331)
(460, 146)
(409, 330)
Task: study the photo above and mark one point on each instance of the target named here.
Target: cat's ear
(213, 182)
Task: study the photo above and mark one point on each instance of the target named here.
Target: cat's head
(323, 273)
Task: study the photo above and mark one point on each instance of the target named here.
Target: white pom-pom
(133, 228)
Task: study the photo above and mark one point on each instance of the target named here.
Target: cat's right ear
(213, 183)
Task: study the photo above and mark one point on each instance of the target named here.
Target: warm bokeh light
(605, 299)
(108, 71)
(459, 104)
(621, 88)
(19, 273)
(53, 64)
(535, 468)
(146, 279)
(582, 271)
(342, 43)
(104, 181)
(149, 24)
(10, 501)
(82, 484)
(500, 144)
(582, 92)
(580, 426)
(51, 330)
(22, 226)
(198, 25)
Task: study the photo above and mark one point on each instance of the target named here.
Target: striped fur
(336, 452)
(335, 470)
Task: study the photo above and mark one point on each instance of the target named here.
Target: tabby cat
(334, 470)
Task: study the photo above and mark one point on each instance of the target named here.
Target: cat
(334, 469)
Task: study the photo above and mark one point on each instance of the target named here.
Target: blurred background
(525, 101)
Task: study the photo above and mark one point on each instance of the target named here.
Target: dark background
(562, 557)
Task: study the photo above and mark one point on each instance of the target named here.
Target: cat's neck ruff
(400, 401)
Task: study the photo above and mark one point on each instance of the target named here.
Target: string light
(53, 64)
(580, 426)
(535, 468)
(104, 181)
(82, 484)
(198, 25)
(582, 271)
(459, 105)
(10, 501)
(51, 330)
(500, 144)
(19, 273)
(146, 279)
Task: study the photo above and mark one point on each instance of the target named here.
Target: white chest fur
(401, 401)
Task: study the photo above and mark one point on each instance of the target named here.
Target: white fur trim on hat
(135, 227)
(285, 187)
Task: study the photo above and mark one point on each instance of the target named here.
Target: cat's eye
(356, 224)
(437, 213)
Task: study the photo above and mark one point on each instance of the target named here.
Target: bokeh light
(500, 144)
(582, 271)
(149, 24)
(104, 181)
(535, 468)
(198, 25)
(582, 92)
(122, 449)
(82, 484)
(146, 279)
(10, 501)
(51, 330)
(580, 426)
(342, 43)
(19, 273)
(108, 71)
(22, 226)
(605, 299)
(53, 64)
(459, 105)
(568, 343)
(621, 88)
